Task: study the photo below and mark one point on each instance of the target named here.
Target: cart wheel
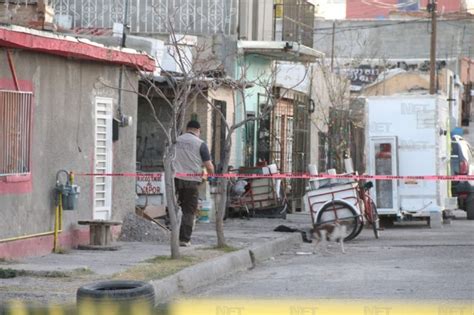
(360, 226)
(341, 212)
(375, 219)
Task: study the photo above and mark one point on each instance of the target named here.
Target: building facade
(58, 114)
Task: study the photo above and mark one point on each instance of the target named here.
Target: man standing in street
(191, 154)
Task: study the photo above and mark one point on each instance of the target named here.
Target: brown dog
(335, 232)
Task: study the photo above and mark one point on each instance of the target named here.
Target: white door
(103, 159)
(383, 159)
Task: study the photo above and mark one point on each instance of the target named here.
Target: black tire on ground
(122, 292)
(344, 213)
(470, 206)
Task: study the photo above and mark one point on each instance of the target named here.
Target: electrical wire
(343, 29)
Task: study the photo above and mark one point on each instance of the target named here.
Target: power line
(359, 27)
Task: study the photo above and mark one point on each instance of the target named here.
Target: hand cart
(260, 198)
(342, 201)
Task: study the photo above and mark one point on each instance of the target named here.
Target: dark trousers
(188, 197)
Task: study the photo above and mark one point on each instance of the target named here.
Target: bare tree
(266, 83)
(332, 98)
(176, 91)
(341, 116)
(196, 74)
(238, 88)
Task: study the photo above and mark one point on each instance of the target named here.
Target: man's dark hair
(193, 124)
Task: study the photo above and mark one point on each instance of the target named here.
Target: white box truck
(408, 135)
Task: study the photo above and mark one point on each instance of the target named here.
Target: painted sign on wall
(152, 184)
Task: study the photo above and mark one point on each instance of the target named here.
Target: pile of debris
(136, 228)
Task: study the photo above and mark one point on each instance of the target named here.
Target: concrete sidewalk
(54, 278)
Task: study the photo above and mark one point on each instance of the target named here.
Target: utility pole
(122, 45)
(332, 50)
(432, 9)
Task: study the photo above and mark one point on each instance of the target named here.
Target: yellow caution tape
(316, 307)
(262, 307)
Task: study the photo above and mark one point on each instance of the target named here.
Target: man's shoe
(184, 244)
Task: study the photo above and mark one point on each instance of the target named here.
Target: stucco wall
(394, 39)
(257, 70)
(467, 70)
(18, 14)
(226, 95)
(151, 139)
(398, 84)
(63, 138)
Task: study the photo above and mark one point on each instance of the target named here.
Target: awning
(280, 50)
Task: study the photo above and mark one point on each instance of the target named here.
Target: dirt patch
(163, 266)
(157, 268)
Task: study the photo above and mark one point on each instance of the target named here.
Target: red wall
(43, 245)
(448, 5)
(367, 9)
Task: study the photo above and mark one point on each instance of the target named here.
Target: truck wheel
(470, 206)
(386, 222)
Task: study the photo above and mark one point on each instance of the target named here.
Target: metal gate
(301, 145)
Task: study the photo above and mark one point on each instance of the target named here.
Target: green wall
(258, 71)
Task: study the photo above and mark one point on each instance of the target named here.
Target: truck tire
(470, 206)
(125, 293)
(386, 222)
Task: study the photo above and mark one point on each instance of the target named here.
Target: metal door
(383, 160)
(103, 159)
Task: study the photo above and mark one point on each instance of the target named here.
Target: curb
(210, 271)
(200, 274)
(259, 253)
(19, 272)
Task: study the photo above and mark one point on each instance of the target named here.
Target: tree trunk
(223, 186)
(173, 209)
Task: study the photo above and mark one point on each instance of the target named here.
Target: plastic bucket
(206, 207)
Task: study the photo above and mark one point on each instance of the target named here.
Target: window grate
(15, 132)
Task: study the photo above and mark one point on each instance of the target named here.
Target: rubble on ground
(138, 229)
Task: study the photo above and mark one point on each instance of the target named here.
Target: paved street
(409, 262)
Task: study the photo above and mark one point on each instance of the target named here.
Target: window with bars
(15, 132)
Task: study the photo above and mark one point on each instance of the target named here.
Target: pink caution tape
(157, 176)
